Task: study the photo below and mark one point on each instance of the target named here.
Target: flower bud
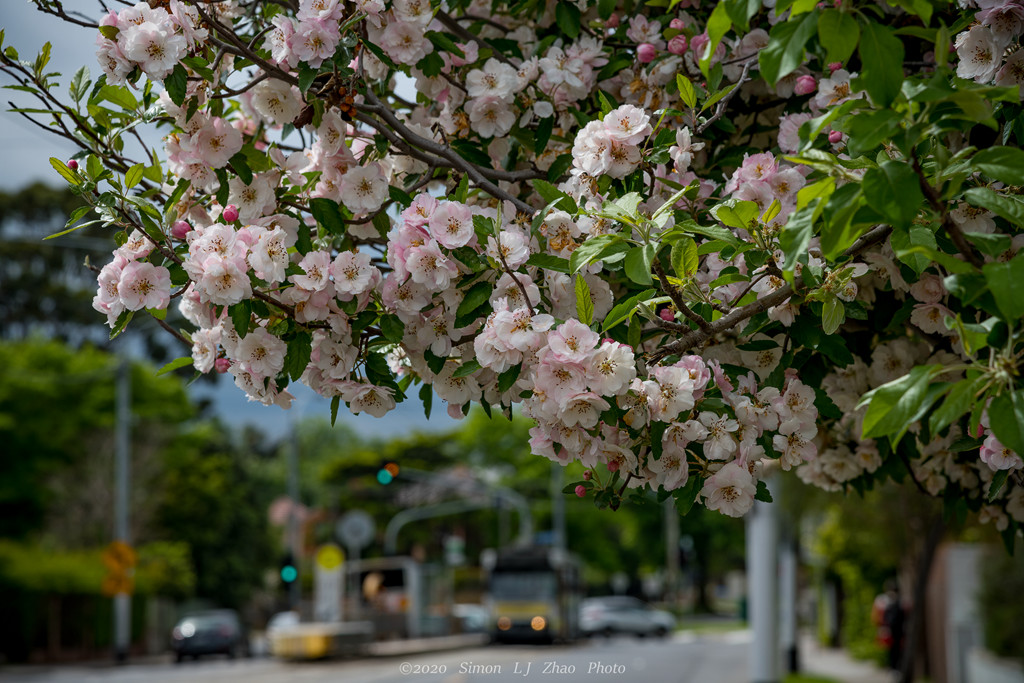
(581, 491)
(834, 66)
(613, 466)
(222, 365)
(180, 229)
(72, 164)
(646, 52)
(835, 137)
(667, 315)
(805, 85)
(230, 213)
(678, 44)
(612, 22)
(677, 23)
(587, 475)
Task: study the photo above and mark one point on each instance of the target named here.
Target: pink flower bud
(805, 85)
(587, 475)
(667, 315)
(834, 66)
(222, 365)
(607, 340)
(646, 52)
(230, 213)
(72, 164)
(678, 44)
(581, 491)
(677, 23)
(180, 229)
(835, 137)
(612, 22)
(980, 432)
(613, 466)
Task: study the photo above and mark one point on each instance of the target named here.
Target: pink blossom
(677, 44)
(646, 52)
(143, 285)
(805, 85)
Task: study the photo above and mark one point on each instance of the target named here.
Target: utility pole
(557, 508)
(122, 477)
(762, 590)
(671, 552)
(294, 544)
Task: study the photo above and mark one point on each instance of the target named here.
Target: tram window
(523, 586)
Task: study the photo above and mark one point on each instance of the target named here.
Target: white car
(624, 614)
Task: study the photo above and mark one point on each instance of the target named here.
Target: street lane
(684, 658)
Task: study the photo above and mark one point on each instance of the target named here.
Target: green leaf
(881, 55)
(762, 493)
(109, 32)
(476, 296)
(1004, 280)
(833, 314)
(240, 165)
(328, 214)
(567, 16)
(133, 175)
(507, 379)
(998, 481)
(785, 49)
(1005, 206)
(121, 323)
(392, 328)
(624, 309)
(1006, 417)
(543, 134)
(65, 172)
(590, 250)
(182, 362)
(427, 396)
(1005, 164)
(737, 213)
(462, 191)
(549, 262)
(634, 332)
(684, 257)
(839, 33)
(957, 402)
(797, 234)
(718, 25)
(297, 356)
(686, 91)
(584, 302)
(605, 8)
(550, 194)
(686, 496)
(176, 84)
(443, 42)
(335, 404)
(638, 264)
(241, 316)
(893, 190)
(467, 369)
(893, 407)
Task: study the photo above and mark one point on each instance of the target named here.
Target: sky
(27, 150)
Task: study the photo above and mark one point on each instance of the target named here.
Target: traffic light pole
(294, 590)
(122, 456)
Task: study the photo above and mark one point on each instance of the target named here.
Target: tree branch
(940, 207)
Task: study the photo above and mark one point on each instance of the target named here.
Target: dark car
(207, 633)
(623, 614)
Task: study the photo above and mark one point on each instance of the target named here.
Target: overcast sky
(26, 152)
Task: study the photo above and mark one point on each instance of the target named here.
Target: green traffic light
(384, 477)
(289, 573)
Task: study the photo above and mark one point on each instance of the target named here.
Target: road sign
(327, 583)
(118, 556)
(117, 584)
(329, 557)
(355, 529)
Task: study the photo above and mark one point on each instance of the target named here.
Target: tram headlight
(538, 623)
(504, 623)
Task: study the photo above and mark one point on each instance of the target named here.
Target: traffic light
(289, 570)
(387, 472)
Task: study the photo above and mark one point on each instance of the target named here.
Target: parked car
(206, 633)
(624, 614)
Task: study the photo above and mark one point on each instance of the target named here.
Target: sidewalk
(837, 664)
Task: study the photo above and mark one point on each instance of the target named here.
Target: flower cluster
(152, 39)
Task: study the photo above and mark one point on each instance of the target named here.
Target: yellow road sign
(329, 556)
(119, 556)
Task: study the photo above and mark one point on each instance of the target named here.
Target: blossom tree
(694, 242)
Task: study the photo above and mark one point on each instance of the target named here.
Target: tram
(533, 595)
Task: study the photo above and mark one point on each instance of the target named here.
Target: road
(684, 658)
